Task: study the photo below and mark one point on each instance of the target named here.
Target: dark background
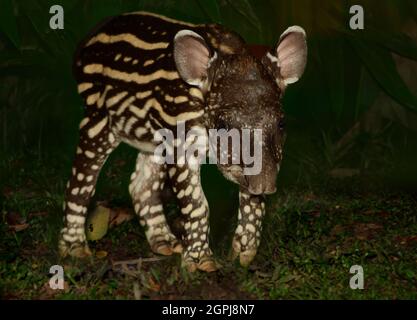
(350, 74)
(352, 140)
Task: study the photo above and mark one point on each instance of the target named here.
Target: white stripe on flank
(84, 86)
(100, 101)
(84, 122)
(143, 95)
(124, 105)
(140, 131)
(115, 99)
(129, 124)
(180, 99)
(129, 38)
(144, 13)
(148, 62)
(172, 120)
(92, 99)
(92, 132)
(196, 93)
(130, 77)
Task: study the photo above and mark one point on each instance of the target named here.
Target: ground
(314, 232)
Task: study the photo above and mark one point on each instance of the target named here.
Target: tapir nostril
(246, 180)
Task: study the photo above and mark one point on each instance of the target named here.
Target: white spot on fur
(144, 211)
(89, 154)
(188, 190)
(250, 228)
(198, 212)
(71, 218)
(182, 176)
(187, 209)
(196, 193)
(145, 195)
(156, 208)
(74, 207)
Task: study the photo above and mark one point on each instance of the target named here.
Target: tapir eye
(221, 124)
(281, 125)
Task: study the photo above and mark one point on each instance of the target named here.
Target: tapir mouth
(256, 187)
(258, 192)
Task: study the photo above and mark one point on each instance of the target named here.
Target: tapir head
(243, 98)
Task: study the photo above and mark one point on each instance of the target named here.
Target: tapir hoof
(76, 250)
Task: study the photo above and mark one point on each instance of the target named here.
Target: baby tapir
(141, 72)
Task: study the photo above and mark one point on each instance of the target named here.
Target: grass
(316, 228)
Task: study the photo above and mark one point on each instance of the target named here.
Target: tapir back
(126, 69)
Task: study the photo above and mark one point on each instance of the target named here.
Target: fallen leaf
(13, 218)
(337, 229)
(16, 222)
(310, 196)
(366, 231)
(19, 227)
(120, 215)
(343, 172)
(101, 254)
(406, 240)
(153, 285)
(7, 192)
(37, 214)
(313, 213)
(377, 213)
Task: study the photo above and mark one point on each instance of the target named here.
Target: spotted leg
(147, 183)
(248, 232)
(95, 144)
(186, 184)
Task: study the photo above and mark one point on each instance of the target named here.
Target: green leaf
(367, 93)
(333, 68)
(244, 8)
(8, 23)
(211, 9)
(397, 42)
(381, 65)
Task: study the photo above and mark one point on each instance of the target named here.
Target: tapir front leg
(248, 232)
(95, 144)
(186, 184)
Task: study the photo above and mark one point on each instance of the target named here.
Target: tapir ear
(290, 57)
(192, 57)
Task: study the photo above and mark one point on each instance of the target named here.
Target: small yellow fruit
(98, 223)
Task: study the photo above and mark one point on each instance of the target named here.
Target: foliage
(346, 69)
(312, 236)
